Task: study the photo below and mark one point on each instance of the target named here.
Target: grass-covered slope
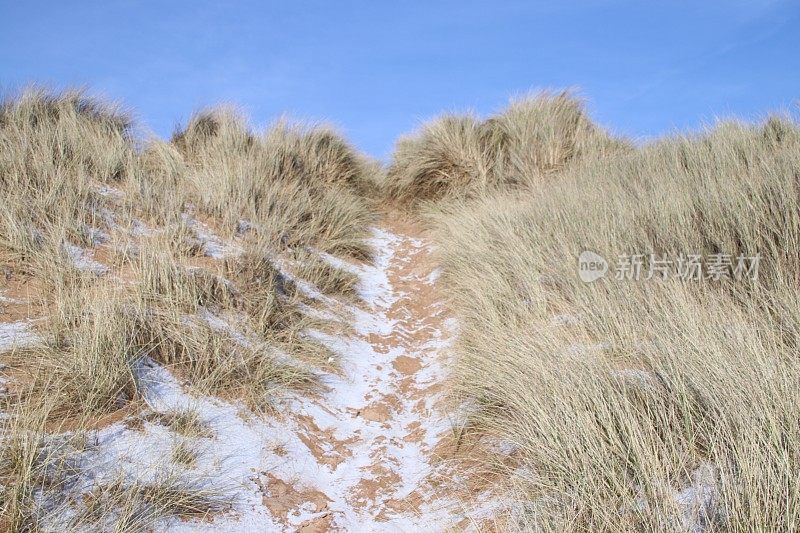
(130, 249)
(632, 405)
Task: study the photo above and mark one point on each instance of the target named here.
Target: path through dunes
(365, 454)
(362, 456)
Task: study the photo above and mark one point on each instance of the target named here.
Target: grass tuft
(460, 156)
(658, 404)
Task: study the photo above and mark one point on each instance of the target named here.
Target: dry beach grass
(77, 182)
(649, 405)
(624, 405)
(456, 157)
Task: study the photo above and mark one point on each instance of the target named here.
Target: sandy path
(362, 456)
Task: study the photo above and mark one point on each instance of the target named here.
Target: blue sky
(377, 69)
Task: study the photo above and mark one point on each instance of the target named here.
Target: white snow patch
(14, 335)
(698, 500)
(213, 246)
(110, 192)
(82, 259)
(7, 300)
(564, 320)
(434, 276)
(97, 236)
